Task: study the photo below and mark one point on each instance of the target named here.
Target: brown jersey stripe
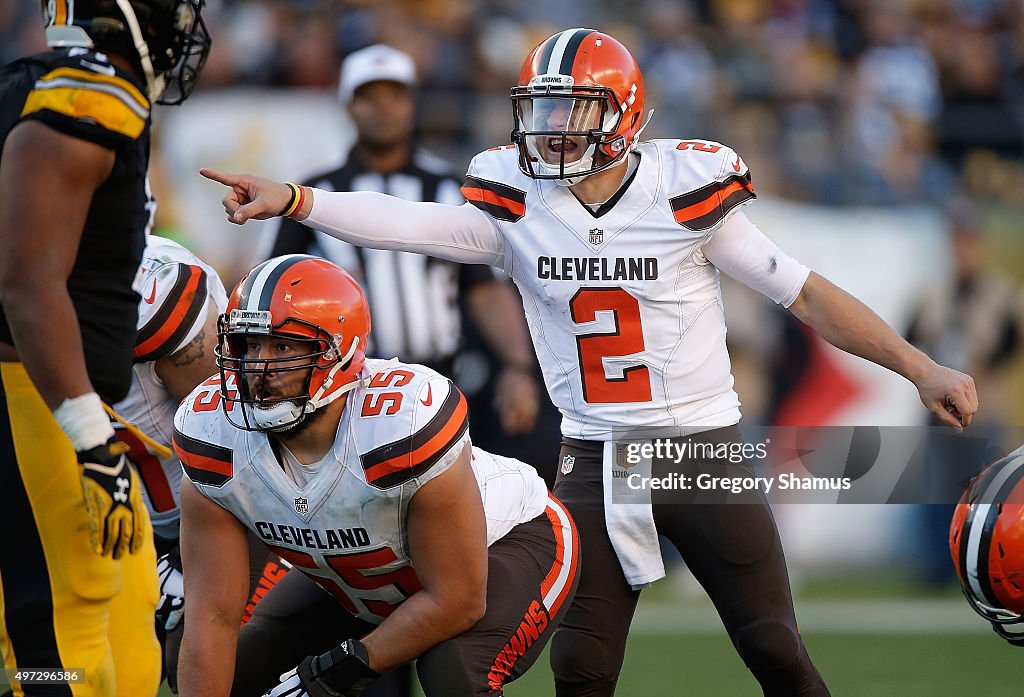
(397, 462)
(178, 313)
(494, 205)
(511, 194)
(708, 205)
(203, 462)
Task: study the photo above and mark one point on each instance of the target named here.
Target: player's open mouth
(562, 145)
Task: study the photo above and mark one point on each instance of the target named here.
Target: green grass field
(873, 639)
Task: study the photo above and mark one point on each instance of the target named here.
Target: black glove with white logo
(344, 671)
(172, 590)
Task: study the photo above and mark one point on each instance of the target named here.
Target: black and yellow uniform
(62, 606)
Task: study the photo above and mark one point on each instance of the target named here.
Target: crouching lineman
(411, 543)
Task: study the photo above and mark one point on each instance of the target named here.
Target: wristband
(345, 669)
(84, 421)
(294, 203)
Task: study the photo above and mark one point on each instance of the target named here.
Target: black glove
(344, 671)
(113, 499)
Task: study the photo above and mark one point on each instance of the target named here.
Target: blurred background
(886, 143)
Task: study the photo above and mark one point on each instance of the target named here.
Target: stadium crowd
(840, 102)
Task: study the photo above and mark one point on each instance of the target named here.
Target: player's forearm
(47, 338)
(421, 622)
(498, 313)
(850, 325)
(369, 219)
(206, 662)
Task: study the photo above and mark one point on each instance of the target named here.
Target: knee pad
(768, 646)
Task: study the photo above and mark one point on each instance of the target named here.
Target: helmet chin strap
(318, 399)
(154, 82)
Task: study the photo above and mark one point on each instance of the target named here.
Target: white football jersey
(346, 528)
(177, 290)
(625, 312)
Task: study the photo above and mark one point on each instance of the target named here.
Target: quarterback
(406, 541)
(616, 245)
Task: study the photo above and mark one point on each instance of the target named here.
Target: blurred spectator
(839, 102)
(975, 324)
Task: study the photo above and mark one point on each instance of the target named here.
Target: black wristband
(344, 670)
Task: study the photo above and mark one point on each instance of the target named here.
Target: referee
(414, 299)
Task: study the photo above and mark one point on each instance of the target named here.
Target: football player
(986, 542)
(78, 568)
(616, 245)
(407, 542)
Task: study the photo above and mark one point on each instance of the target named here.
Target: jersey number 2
(626, 339)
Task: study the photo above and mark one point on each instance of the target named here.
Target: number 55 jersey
(342, 521)
(624, 308)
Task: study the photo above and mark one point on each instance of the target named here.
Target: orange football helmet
(580, 95)
(986, 541)
(293, 297)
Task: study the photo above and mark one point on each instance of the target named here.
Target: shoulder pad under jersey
(496, 185)
(409, 421)
(86, 96)
(705, 181)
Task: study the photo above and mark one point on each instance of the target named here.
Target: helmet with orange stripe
(986, 541)
(167, 38)
(578, 107)
(310, 303)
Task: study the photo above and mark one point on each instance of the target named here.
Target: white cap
(377, 62)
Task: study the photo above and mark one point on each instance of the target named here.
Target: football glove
(344, 671)
(172, 590)
(113, 499)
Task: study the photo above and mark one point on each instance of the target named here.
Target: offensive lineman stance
(361, 474)
(616, 246)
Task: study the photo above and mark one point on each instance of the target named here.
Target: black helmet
(167, 38)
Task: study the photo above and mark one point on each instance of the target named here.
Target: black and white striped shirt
(414, 299)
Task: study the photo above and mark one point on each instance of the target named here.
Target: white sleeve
(743, 252)
(367, 219)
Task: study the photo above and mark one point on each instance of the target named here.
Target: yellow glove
(113, 499)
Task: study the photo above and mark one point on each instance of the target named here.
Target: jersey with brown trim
(79, 93)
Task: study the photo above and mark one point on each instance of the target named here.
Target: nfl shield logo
(596, 236)
(301, 506)
(567, 462)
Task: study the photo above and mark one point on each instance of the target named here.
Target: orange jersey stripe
(432, 447)
(485, 196)
(711, 202)
(176, 317)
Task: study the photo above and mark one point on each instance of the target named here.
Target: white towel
(629, 517)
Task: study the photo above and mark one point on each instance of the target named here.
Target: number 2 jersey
(624, 309)
(344, 525)
(178, 293)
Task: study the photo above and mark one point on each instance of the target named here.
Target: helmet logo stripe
(261, 289)
(979, 532)
(573, 47)
(563, 51)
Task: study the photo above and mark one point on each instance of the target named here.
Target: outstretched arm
(366, 219)
(850, 325)
(741, 250)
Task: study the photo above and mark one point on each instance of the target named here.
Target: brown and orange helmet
(578, 83)
(297, 297)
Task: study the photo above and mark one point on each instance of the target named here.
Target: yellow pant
(63, 607)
